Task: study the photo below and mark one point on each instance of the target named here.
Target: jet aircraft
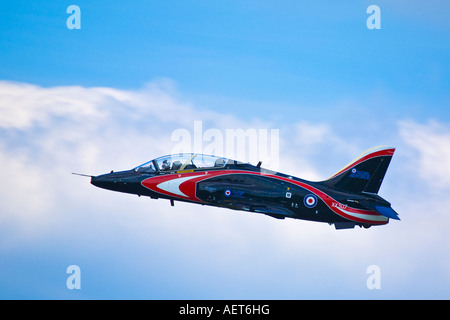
(347, 199)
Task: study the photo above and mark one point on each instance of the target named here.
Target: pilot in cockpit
(219, 163)
(165, 165)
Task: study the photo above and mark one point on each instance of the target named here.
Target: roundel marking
(353, 170)
(310, 201)
(228, 192)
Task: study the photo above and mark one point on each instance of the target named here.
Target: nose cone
(105, 181)
(123, 181)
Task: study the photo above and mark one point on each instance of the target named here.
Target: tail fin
(365, 173)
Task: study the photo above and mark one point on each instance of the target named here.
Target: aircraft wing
(277, 212)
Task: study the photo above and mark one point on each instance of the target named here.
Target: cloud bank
(51, 219)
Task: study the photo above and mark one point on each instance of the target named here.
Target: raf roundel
(310, 201)
(227, 193)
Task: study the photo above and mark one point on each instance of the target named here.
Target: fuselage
(240, 186)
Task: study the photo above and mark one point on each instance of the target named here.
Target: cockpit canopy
(184, 161)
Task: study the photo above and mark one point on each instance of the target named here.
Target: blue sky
(245, 50)
(109, 96)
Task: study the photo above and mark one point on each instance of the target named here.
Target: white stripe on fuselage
(173, 185)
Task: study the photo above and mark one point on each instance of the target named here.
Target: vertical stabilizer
(365, 173)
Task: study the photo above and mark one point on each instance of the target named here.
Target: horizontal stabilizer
(383, 209)
(387, 212)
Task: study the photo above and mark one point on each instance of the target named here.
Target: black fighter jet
(348, 198)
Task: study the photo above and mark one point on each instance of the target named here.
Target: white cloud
(24, 191)
(24, 105)
(51, 132)
(47, 133)
(431, 145)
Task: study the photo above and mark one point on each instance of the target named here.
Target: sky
(111, 95)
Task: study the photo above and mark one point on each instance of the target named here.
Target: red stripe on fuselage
(188, 188)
